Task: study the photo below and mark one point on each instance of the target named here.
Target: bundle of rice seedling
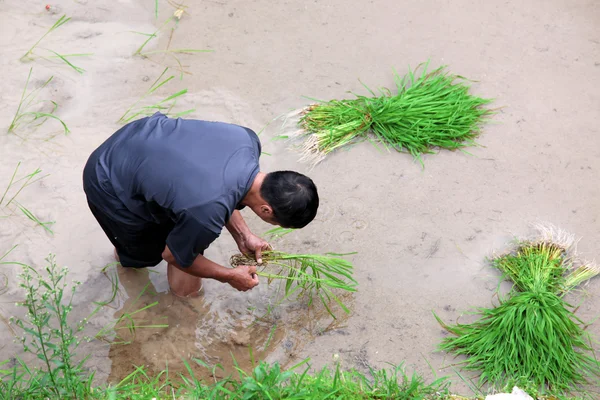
(530, 336)
(433, 110)
(533, 335)
(313, 275)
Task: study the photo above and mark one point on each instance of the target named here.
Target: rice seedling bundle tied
(314, 275)
(429, 111)
(533, 335)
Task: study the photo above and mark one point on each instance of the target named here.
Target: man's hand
(249, 243)
(243, 277)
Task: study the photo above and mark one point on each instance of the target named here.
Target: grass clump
(313, 275)
(25, 115)
(164, 106)
(31, 54)
(533, 335)
(433, 110)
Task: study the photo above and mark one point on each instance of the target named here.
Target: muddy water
(208, 328)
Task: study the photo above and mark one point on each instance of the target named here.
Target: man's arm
(237, 226)
(242, 277)
(245, 239)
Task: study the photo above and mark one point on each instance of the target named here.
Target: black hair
(292, 196)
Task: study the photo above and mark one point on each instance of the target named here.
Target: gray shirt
(189, 173)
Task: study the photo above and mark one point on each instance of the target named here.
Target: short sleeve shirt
(190, 173)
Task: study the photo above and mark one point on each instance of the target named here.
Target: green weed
(54, 343)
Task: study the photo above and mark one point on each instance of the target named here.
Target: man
(163, 189)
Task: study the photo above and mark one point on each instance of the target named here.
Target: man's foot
(183, 284)
(117, 256)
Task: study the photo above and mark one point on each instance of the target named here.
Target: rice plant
(533, 335)
(17, 185)
(278, 232)
(3, 276)
(312, 275)
(164, 106)
(32, 217)
(430, 111)
(30, 109)
(173, 53)
(126, 321)
(31, 54)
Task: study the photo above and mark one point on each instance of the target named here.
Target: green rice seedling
(535, 267)
(433, 110)
(114, 285)
(140, 50)
(579, 275)
(126, 321)
(35, 219)
(164, 106)
(30, 55)
(61, 21)
(313, 275)
(544, 265)
(533, 335)
(149, 36)
(25, 115)
(530, 336)
(278, 232)
(173, 53)
(25, 181)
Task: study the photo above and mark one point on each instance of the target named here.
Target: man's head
(291, 199)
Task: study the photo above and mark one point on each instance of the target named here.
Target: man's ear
(266, 210)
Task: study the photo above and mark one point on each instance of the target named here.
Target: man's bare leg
(183, 284)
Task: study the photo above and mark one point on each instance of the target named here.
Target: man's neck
(253, 197)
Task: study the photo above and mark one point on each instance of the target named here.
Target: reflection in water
(197, 329)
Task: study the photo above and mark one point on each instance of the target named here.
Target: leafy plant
(25, 114)
(164, 106)
(30, 55)
(54, 342)
(312, 275)
(429, 111)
